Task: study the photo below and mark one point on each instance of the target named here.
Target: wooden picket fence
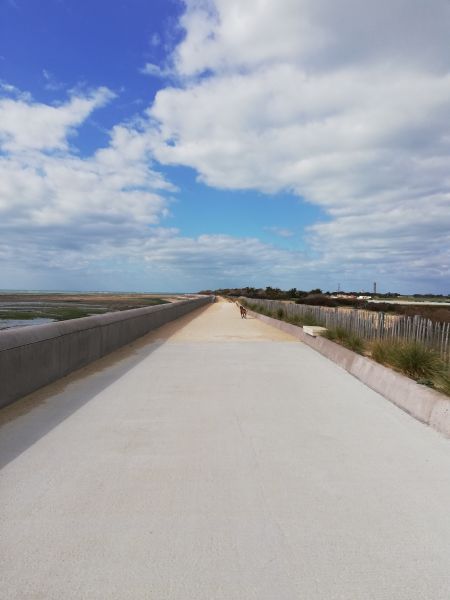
(369, 325)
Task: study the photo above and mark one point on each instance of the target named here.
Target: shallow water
(9, 323)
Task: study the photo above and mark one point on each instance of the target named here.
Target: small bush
(338, 334)
(417, 362)
(341, 334)
(330, 334)
(308, 319)
(355, 343)
(384, 350)
(347, 339)
(280, 313)
(294, 320)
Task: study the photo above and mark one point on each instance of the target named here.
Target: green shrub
(338, 334)
(355, 343)
(416, 361)
(308, 319)
(330, 334)
(345, 338)
(341, 334)
(384, 350)
(294, 320)
(280, 313)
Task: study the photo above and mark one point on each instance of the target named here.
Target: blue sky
(171, 145)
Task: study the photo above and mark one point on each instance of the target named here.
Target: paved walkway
(219, 459)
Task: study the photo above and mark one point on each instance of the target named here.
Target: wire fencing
(367, 324)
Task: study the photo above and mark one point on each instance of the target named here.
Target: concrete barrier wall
(31, 357)
(421, 402)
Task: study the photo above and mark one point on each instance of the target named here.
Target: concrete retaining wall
(423, 403)
(31, 357)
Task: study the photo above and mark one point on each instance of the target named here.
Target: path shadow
(25, 421)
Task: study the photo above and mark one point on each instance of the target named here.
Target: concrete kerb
(34, 356)
(424, 404)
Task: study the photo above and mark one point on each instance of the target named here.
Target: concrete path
(219, 459)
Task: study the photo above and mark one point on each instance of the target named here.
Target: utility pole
(374, 288)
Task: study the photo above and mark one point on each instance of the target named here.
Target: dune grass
(415, 361)
(346, 338)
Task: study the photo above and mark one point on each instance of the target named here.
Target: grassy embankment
(409, 358)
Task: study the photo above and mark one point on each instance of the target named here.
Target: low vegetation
(317, 297)
(299, 320)
(54, 313)
(63, 308)
(412, 359)
(347, 339)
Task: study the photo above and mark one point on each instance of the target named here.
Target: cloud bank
(345, 104)
(101, 216)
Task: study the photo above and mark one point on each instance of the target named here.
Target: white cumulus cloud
(102, 217)
(345, 104)
(28, 125)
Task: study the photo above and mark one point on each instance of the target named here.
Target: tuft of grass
(355, 343)
(294, 320)
(338, 334)
(341, 333)
(347, 339)
(330, 334)
(383, 351)
(417, 362)
(280, 313)
(309, 319)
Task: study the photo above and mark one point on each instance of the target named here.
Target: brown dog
(243, 312)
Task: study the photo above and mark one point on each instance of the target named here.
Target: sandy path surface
(218, 459)
(220, 322)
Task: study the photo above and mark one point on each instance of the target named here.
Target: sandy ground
(220, 322)
(218, 459)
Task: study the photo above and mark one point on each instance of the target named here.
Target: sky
(169, 145)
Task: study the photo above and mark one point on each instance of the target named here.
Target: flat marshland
(25, 308)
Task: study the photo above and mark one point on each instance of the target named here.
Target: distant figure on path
(243, 312)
